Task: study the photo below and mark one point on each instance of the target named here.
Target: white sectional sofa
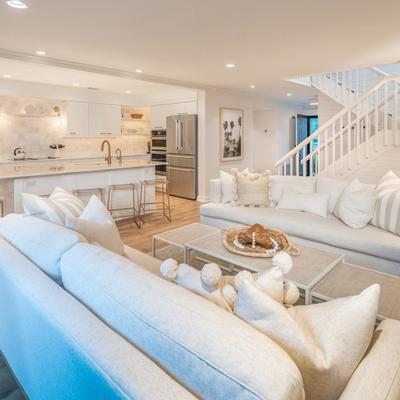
(111, 328)
(369, 246)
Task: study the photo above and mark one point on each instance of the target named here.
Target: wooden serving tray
(232, 244)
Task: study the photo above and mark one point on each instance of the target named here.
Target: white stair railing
(353, 135)
(343, 86)
(346, 86)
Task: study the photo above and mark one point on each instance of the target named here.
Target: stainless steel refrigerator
(182, 155)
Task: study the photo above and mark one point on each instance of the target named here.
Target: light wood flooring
(183, 212)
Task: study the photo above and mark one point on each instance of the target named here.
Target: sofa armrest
(215, 191)
(377, 377)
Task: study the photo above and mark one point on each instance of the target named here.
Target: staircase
(366, 128)
(345, 86)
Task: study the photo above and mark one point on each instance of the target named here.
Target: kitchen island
(41, 179)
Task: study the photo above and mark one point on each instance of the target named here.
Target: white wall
(209, 135)
(261, 150)
(327, 108)
(266, 137)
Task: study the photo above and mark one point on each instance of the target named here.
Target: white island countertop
(27, 171)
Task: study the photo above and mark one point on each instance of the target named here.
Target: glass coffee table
(309, 268)
(179, 236)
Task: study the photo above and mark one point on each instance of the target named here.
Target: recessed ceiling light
(252, 86)
(6, 76)
(314, 103)
(230, 65)
(288, 94)
(41, 53)
(139, 71)
(17, 4)
(128, 91)
(76, 84)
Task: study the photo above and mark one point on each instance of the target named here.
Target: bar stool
(162, 185)
(89, 192)
(2, 206)
(135, 208)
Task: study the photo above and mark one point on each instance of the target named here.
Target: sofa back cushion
(210, 351)
(333, 187)
(39, 240)
(299, 184)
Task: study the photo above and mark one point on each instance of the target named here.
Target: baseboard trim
(203, 199)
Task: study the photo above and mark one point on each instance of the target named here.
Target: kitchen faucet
(118, 152)
(108, 156)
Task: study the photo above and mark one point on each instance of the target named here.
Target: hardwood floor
(183, 212)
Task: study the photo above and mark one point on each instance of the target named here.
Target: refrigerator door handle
(180, 135)
(176, 135)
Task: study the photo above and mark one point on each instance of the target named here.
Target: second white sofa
(369, 246)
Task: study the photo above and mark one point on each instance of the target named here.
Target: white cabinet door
(159, 114)
(77, 118)
(104, 119)
(158, 117)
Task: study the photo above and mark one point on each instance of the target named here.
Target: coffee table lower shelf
(309, 268)
(349, 280)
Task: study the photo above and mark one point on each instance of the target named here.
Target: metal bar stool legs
(135, 208)
(161, 184)
(89, 192)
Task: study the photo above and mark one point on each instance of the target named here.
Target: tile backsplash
(35, 133)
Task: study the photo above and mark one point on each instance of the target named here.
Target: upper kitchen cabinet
(77, 118)
(159, 113)
(104, 119)
(92, 119)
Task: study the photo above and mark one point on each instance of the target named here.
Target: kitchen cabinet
(92, 119)
(159, 113)
(77, 118)
(104, 119)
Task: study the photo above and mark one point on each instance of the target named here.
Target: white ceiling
(190, 41)
(139, 90)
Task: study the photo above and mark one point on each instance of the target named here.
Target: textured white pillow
(333, 187)
(97, 226)
(387, 210)
(251, 189)
(227, 185)
(58, 206)
(356, 204)
(326, 341)
(315, 203)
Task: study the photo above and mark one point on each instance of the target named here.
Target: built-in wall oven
(159, 149)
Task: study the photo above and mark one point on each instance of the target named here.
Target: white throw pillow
(56, 208)
(251, 189)
(299, 184)
(315, 203)
(355, 206)
(227, 185)
(97, 226)
(326, 341)
(387, 209)
(41, 241)
(333, 187)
